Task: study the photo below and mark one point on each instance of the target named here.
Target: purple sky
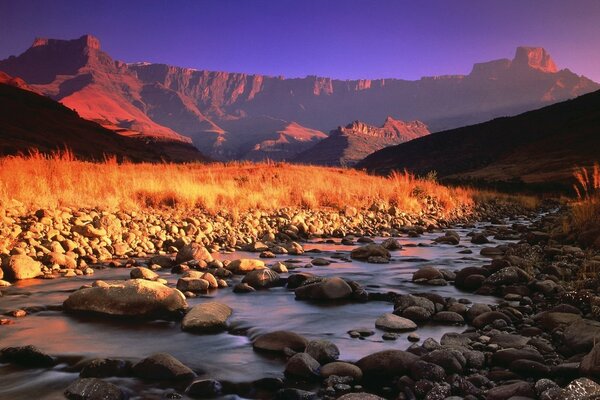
(335, 38)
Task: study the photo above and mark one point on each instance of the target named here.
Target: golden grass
(43, 181)
(586, 210)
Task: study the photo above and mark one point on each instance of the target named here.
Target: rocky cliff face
(229, 114)
(348, 145)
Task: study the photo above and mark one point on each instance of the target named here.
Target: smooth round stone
(391, 322)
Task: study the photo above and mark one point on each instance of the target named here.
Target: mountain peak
(534, 57)
(87, 40)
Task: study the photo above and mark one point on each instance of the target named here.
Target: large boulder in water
(132, 298)
(262, 278)
(278, 341)
(162, 366)
(370, 250)
(193, 251)
(206, 318)
(328, 289)
(20, 266)
(244, 265)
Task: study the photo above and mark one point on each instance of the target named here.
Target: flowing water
(223, 356)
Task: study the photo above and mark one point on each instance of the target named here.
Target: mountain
(29, 121)
(538, 148)
(350, 144)
(228, 114)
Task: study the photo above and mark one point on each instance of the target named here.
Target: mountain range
(241, 116)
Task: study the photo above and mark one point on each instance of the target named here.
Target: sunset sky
(335, 38)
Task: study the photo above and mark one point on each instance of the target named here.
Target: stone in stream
(370, 250)
(143, 273)
(302, 365)
(479, 238)
(334, 288)
(581, 389)
(449, 317)
(339, 368)
(133, 298)
(386, 364)
(450, 237)
(453, 361)
(26, 356)
(106, 367)
(295, 394)
(323, 351)
(162, 367)
(205, 389)
(19, 267)
(278, 341)
(507, 391)
(427, 273)
(244, 265)
(426, 370)
(487, 318)
(207, 318)
(360, 396)
(394, 323)
(243, 288)
(192, 284)
(262, 278)
(391, 244)
(93, 389)
(193, 251)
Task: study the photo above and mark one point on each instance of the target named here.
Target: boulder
(192, 284)
(106, 367)
(143, 273)
(244, 265)
(450, 237)
(132, 298)
(162, 367)
(391, 244)
(415, 313)
(327, 289)
(581, 335)
(394, 323)
(426, 370)
(302, 365)
(207, 318)
(581, 389)
(488, 317)
(449, 317)
(323, 351)
(339, 368)
(505, 392)
(386, 364)
(370, 250)
(505, 357)
(451, 360)
(427, 273)
(360, 396)
(193, 252)
(278, 341)
(26, 356)
(93, 389)
(507, 276)
(205, 389)
(20, 266)
(262, 278)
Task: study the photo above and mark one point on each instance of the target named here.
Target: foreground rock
(26, 356)
(93, 389)
(20, 267)
(207, 318)
(328, 289)
(394, 323)
(132, 298)
(370, 252)
(162, 366)
(386, 364)
(278, 341)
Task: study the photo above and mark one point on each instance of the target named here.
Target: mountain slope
(537, 147)
(30, 121)
(350, 144)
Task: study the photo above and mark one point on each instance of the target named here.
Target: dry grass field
(38, 180)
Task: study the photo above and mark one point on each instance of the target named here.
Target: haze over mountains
(241, 116)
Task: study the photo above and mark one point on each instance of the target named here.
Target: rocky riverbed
(296, 304)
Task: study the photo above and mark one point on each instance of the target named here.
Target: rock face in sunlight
(350, 144)
(253, 117)
(135, 298)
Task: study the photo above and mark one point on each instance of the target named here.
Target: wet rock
(360, 396)
(278, 341)
(297, 279)
(262, 278)
(487, 318)
(302, 365)
(205, 389)
(405, 301)
(193, 251)
(416, 313)
(106, 367)
(581, 335)
(581, 389)
(386, 364)
(465, 278)
(451, 360)
(339, 368)
(479, 238)
(26, 356)
(192, 285)
(391, 244)
(455, 339)
(506, 340)
(162, 366)
(244, 265)
(320, 262)
(323, 351)
(143, 273)
(20, 266)
(507, 276)
(505, 357)
(505, 392)
(529, 368)
(243, 288)
(450, 237)
(427, 273)
(93, 389)
(394, 323)
(370, 250)
(136, 297)
(449, 317)
(328, 289)
(426, 370)
(207, 318)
